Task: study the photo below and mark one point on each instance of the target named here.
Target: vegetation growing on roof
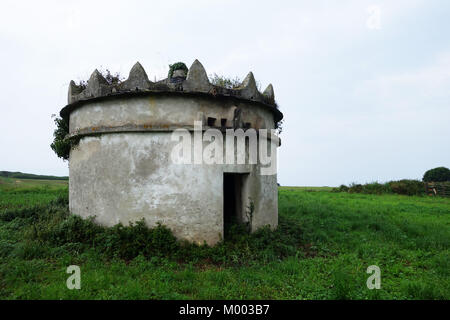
(224, 82)
(112, 78)
(177, 66)
(227, 82)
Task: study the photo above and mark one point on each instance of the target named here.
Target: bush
(177, 66)
(221, 81)
(440, 174)
(21, 213)
(112, 78)
(405, 187)
(369, 188)
(55, 226)
(128, 242)
(62, 144)
(355, 188)
(72, 229)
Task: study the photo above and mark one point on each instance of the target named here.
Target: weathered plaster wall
(164, 112)
(123, 176)
(129, 176)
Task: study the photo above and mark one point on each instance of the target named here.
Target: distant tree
(439, 174)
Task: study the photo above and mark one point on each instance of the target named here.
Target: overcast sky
(364, 85)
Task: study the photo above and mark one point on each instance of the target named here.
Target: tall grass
(321, 250)
(53, 225)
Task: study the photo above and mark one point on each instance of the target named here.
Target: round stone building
(124, 167)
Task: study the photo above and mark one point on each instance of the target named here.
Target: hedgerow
(404, 187)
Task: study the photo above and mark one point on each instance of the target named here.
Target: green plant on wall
(62, 144)
(176, 66)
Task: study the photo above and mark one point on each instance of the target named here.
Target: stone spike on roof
(197, 79)
(137, 79)
(195, 82)
(249, 81)
(97, 85)
(248, 87)
(74, 91)
(269, 94)
(97, 77)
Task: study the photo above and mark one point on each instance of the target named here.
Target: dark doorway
(233, 184)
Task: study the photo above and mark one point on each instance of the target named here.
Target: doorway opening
(233, 187)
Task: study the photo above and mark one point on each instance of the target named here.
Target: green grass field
(341, 235)
(12, 184)
(18, 193)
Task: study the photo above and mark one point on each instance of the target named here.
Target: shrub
(176, 66)
(221, 81)
(341, 188)
(355, 188)
(368, 188)
(22, 213)
(57, 227)
(62, 144)
(112, 78)
(440, 174)
(73, 229)
(128, 242)
(407, 187)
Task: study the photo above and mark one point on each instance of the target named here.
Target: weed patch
(53, 225)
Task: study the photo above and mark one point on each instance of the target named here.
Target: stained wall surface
(124, 172)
